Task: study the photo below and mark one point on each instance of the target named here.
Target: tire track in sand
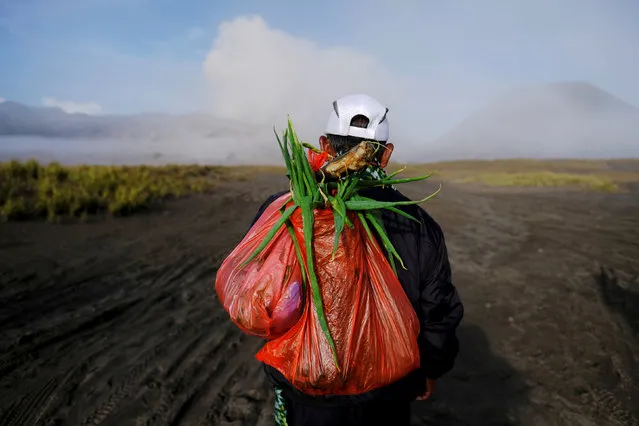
(39, 403)
(184, 389)
(231, 396)
(151, 324)
(132, 379)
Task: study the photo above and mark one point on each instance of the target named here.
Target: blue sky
(432, 62)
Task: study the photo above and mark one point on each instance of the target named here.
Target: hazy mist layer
(560, 120)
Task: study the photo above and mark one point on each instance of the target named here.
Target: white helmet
(348, 107)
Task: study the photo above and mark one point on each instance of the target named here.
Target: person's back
(426, 280)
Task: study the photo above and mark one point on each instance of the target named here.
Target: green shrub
(31, 190)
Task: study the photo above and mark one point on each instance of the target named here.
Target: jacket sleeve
(440, 304)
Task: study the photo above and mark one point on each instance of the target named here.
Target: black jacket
(427, 283)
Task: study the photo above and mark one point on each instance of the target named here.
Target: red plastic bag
(264, 298)
(370, 318)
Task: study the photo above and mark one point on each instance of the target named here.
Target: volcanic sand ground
(116, 322)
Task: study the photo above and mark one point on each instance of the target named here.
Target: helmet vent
(384, 117)
(360, 121)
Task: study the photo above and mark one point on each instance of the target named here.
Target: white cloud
(2, 99)
(71, 107)
(260, 74)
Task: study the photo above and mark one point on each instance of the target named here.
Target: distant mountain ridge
(51, 133)
(20, 119)
(588, 96)
(556, 120)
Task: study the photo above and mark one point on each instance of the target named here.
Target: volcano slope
(116, 322)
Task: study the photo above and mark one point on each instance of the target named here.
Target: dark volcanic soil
(116, 322)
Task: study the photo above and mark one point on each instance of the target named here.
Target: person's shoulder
(430, 225)
(273, 197)
(397, 195)
(269, 200)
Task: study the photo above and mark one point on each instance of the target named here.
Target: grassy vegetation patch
(32, 190)
(544, 179)
(591, 175)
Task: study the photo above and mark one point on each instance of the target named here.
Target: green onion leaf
(308, 220)
(379, 227)
(267, 239)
